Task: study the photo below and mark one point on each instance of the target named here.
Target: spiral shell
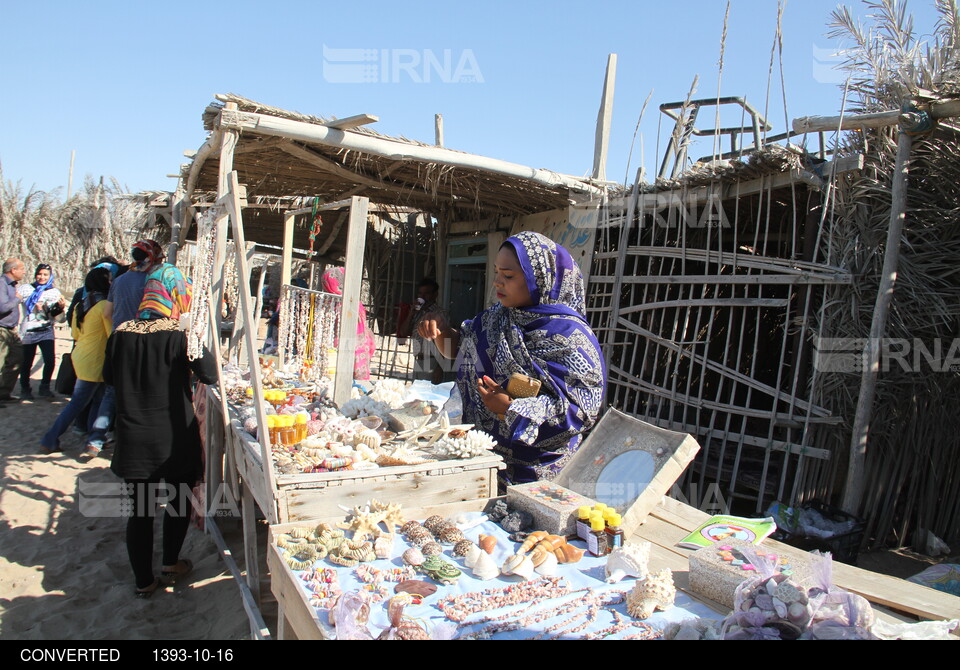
(518, 565)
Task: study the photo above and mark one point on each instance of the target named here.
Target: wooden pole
(73, 155)
(286, 266)
(810, 124)
(350, 305)
(438, 129)
(856, 470)
(604, 117)
(232, 202)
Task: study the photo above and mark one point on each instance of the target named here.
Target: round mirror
(624, 478)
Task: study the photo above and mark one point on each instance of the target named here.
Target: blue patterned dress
(549, 341)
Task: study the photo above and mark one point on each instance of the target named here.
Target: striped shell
(450, 535)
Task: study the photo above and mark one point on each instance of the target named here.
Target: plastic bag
(769, 606)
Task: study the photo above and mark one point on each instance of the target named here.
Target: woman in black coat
(158, 450)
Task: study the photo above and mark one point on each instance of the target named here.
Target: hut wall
(703, 302)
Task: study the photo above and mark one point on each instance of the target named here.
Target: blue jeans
(85, 393)
(108, 404)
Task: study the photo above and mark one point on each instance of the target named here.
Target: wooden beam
(350, 304)
(604, 117)
(327, 165)
(232, 202)
(286, 266)
(352, 121)
(438, 129)
(811, 124)
(265, 124)
(856, 470)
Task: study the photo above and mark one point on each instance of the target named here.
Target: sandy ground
(64, 572)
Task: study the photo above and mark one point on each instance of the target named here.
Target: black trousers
(49, 362)
(145, 495)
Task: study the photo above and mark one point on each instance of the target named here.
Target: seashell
(462, 547)
(518, 565)
(488, 543)
(370, 422)
(630, 559)
(568, 553)
(654, 592)
(547, 567)
(472, 555)
(450, 535)
(368, 438)
(413, 556)
(787, 593)
(532, 540)
(539, 555)
(485, 568)
(383, 546)
(434, 523)
(416, 586)
(408, 526)
(431, 549)
(419, 536)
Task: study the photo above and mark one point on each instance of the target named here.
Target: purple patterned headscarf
(549, 341)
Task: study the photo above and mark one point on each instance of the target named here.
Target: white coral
(475, 443)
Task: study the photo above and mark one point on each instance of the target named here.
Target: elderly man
(11, 350)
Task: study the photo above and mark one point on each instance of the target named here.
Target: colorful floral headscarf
(166, 294)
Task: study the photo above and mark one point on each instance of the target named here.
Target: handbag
(66, 376)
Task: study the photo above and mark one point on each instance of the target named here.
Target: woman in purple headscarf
(538, 329)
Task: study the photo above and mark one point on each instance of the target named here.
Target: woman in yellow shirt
(90, 329)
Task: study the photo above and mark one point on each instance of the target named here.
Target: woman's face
(43, 276)
(509, 280)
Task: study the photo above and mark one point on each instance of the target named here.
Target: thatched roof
(769, 160)
(272, 165)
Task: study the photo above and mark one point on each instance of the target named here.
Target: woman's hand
(493, 395)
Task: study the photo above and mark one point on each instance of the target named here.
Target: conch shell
(518, 565)
(630, 559)
(655, 592)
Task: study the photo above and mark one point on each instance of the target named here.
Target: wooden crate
(317, 496)
(298, 619)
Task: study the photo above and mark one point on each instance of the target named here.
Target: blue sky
(124, 83)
